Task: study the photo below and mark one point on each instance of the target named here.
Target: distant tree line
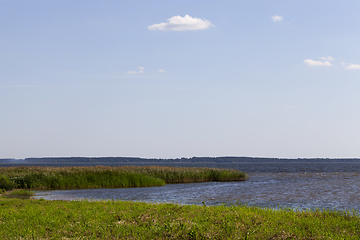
(61, 160)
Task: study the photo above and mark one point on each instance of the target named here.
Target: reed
(6, 183)
(40, 219)
(109, 177)
(189, 174)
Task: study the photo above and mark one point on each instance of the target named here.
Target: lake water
(295, 184)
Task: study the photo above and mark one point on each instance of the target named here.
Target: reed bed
(109, 177)
(188, 174)
(40, 219)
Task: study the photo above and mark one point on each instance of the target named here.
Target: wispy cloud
(352, 66)
(141, 70)
(178, 23)
(312, 63)
(161, 71)
(328, 58)
(326, 62)
(277, 18)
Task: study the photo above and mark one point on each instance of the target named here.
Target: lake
(330, 184)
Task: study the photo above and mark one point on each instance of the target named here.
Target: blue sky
(172, 79)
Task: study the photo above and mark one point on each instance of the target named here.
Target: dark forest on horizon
(228, 159)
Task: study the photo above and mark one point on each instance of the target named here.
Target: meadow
(108, 177)
(40, 219)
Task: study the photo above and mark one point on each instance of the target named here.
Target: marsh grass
(5, 182)
(23, 194)
(109, 177)
(39, 219)
(189, 174)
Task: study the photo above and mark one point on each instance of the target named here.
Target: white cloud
(277, 18)
(326, 62)
(162, 70)
(352, 66)
(312, 63)
(141, 70)
(178, 23)
(328, 58)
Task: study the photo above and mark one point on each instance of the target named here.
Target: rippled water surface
(311, 185)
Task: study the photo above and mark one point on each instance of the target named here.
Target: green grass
(108, 177)
(23, 194)
(40, 219)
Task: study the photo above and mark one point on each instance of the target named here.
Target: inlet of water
(303, 190)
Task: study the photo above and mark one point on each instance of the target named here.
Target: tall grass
(72, 178)
(108, 177)
(189, 174)
(5, 182)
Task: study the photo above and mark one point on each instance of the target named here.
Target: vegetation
(5, 182)
(188, 174)
(70, 178)
(23, 194)
(108, 177)
(104, 160)
(40, 219)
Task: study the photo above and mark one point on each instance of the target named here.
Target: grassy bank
(108, 177)
(22, 194)
(39, 219)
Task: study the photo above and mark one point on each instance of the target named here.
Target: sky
(172, 79)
